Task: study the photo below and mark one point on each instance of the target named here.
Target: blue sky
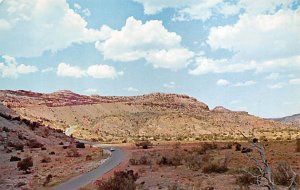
(243, 55)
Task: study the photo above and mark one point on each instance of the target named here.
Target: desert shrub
(5, 129)
(88, 157)
(80, 145)
(227, 146)
(20, 184)
(246, 150)
(43, 148)
(25, 164)
(47, 180)
(143, 160)
(144, 144)
(246, 178)
(194, 161)
(174, 186)
(21, 137)
(217, 167)
(16, 145)
(214, 167)
(46, 159)
(122, 180)
(283, 173)
(238, 147)
(298, 145)
(73, 152)
(59, 130)
(33, 143)
(52, 153)
(14, 159)
(61, 143)
(209, 146)
(170, 161)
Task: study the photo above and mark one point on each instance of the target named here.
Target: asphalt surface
(79, 181)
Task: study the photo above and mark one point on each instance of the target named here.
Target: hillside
(155, 116)
(21, 138)
(293, 120)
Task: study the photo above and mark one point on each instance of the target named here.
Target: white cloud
(295, 81)
(79, 9)
(246, 83)
(66, 70)
(207, 65)
(77, 6)
(170, 85)
(95, 71)
(203, 10)
(170, 59)
(186, 10)
(277, 85)
(10, 68)
(29, 28)
(91, 91)
(150, 41)
(86, 12)
(102, 71)
(260, 37)
(222, 82)
(132, 89)
(273, 76)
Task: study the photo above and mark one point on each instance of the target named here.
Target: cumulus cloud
(79, 9)
(103, 71)
(203, 10)
(205, 65)
(91, 91)
(95, 71)
(67, 70)
(150, 41)
(260, 37)
(170, 59)
(11, 69)
(295, 81)
(222, 82)
(170, 85)
(29, 28)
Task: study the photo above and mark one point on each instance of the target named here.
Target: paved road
(84, 179)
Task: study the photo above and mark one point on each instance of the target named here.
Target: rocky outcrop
(221, 109)
(22, 98)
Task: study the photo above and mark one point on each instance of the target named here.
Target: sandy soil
(154, 176)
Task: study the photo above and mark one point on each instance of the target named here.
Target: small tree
(265, 177)
(25, 164)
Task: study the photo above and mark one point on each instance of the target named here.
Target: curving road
(114, 160)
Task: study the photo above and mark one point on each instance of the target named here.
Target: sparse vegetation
(122, 180)
(73, 152)
(25, 164)
(80, 145)
(14, 159)
(298, 145)
(144, 144)
(33, 143)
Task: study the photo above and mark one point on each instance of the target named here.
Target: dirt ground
(59, 165)
(153, 175)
